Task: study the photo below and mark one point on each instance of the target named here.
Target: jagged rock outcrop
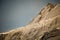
(45, 26)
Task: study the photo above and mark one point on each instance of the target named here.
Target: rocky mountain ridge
(45, 26)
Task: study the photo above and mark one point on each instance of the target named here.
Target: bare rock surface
(45, 26)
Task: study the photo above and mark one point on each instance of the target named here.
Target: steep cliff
(45, 26)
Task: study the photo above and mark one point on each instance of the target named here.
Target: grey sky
(17, 13)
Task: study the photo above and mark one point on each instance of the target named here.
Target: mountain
(45, 26)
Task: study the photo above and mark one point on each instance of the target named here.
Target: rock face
(45, 26)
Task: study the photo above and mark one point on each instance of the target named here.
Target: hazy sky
(17, 13)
